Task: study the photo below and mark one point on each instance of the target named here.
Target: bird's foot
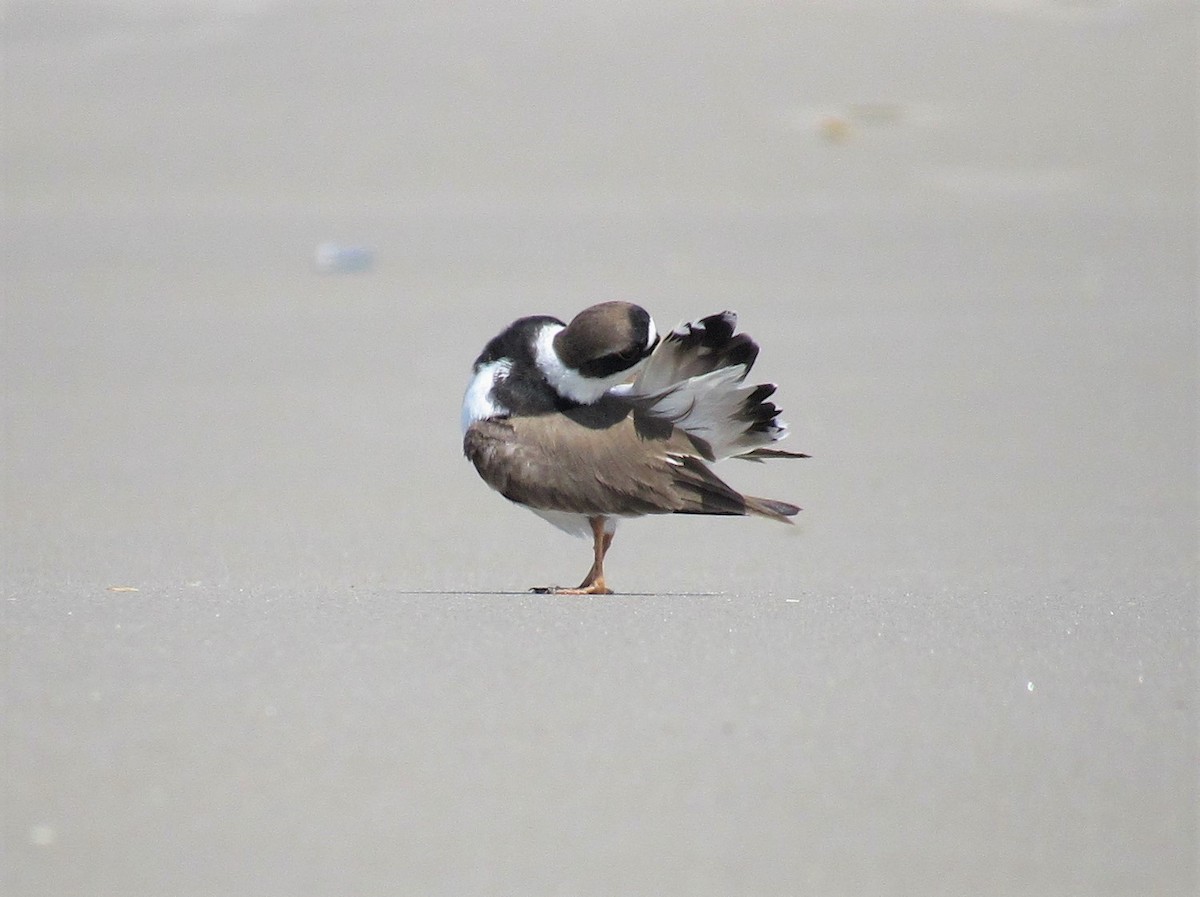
(596, 588)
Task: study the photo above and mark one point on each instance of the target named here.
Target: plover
(589, 422)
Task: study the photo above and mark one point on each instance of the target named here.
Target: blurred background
(965, 233)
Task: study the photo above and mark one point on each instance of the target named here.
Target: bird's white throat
(479, 403)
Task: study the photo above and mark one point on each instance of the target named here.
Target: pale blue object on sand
(333, 258)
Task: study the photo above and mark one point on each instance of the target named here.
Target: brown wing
(603, 459)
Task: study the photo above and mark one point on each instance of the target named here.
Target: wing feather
(580, 463)
(695, 379)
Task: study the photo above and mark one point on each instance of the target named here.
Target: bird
(599, 419)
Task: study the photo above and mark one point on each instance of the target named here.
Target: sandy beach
(264, 631)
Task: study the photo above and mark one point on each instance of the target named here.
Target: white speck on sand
(42, 835)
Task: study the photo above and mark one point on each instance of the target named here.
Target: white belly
(575, 524)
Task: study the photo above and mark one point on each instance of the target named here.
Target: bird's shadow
(526, 593)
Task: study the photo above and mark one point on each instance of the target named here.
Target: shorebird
(596, 420)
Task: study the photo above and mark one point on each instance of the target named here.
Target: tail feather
(771, 508)
(703, 492)
(762, 454)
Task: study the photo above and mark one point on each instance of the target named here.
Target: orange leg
(593, 583)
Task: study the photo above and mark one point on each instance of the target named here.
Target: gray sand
(264, 630)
